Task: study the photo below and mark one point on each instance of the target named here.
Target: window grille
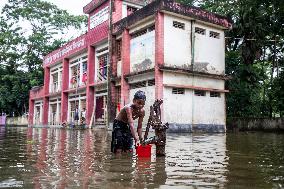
(151, 82)
(178, 91)
(151, 28)
(138, 85)
(118, 95)
(118, 50)
(178, 25)
(84, 67)
(131, 10)
(139, 33)
(199, 93)
(200, 30)
(214, 35)
(215, 94)
(102, 69)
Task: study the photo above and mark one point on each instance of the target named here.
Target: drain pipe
(192, 41)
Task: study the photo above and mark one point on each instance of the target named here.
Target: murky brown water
(58, 158)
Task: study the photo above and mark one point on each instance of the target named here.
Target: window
(215, 94)
(139, 33)
(75, 76)
(118, 50)
(143, 31)
(102, 69)
(199, 93)
(151, 82)
(131, 10)
(78, 71)
(178, 91)
(178, 25)
(214, 35)
(200, 30)
(138, 85)
(54, 85)
(151, 28)
(84, 67)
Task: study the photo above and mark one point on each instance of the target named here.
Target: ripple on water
(58, 158)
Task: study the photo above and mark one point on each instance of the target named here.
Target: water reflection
(59, 158)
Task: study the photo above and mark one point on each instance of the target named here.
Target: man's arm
(140, 121)
(131, 123)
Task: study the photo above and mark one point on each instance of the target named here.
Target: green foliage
(28, 32)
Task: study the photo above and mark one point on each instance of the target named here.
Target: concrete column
(31, 111)
(91, 65)
(46, 80)
(159, 56)
(65, 85)
(125, 66)
(89, 104)
(90, 80)
(46, 98)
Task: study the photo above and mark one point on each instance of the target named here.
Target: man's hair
(140, 95)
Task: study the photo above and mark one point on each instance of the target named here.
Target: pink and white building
(169, 50)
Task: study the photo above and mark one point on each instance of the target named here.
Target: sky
(72, 6)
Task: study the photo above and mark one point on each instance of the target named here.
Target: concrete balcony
(37, 92)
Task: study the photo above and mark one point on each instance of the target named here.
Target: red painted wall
(159, 56)
(65, 85)
(125, 58)
(90, 92)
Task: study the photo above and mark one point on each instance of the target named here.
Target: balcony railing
(102, 74)
(37, 92)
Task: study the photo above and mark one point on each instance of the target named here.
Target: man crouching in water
(123, 125)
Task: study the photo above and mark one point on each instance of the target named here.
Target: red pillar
(159, 55)
(46, 92)
(90, 89)
(65, 85)
(125, 66)
(31, 111)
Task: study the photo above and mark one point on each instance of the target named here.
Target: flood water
(59, 158)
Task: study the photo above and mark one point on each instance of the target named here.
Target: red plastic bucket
(144, 150)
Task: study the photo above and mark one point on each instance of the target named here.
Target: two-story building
(169, 50)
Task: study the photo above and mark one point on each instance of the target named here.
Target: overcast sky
(72, 6)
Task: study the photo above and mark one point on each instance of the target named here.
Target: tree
(30, 29)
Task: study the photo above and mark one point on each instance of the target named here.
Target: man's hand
(137, 141)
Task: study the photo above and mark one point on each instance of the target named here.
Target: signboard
(99, 17)
(73, 46)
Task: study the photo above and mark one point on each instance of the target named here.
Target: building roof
(92, 6)
(96, 3)
(174, 7)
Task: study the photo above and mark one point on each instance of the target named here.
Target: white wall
(182, 79)
(209, 110)
(142, 52)
(150, 99)
(177, 107)
(209, 53)
(210, 50)
(177, 45)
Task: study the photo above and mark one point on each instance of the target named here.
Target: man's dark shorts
(121, 136)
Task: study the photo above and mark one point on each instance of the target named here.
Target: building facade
(169, 50)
